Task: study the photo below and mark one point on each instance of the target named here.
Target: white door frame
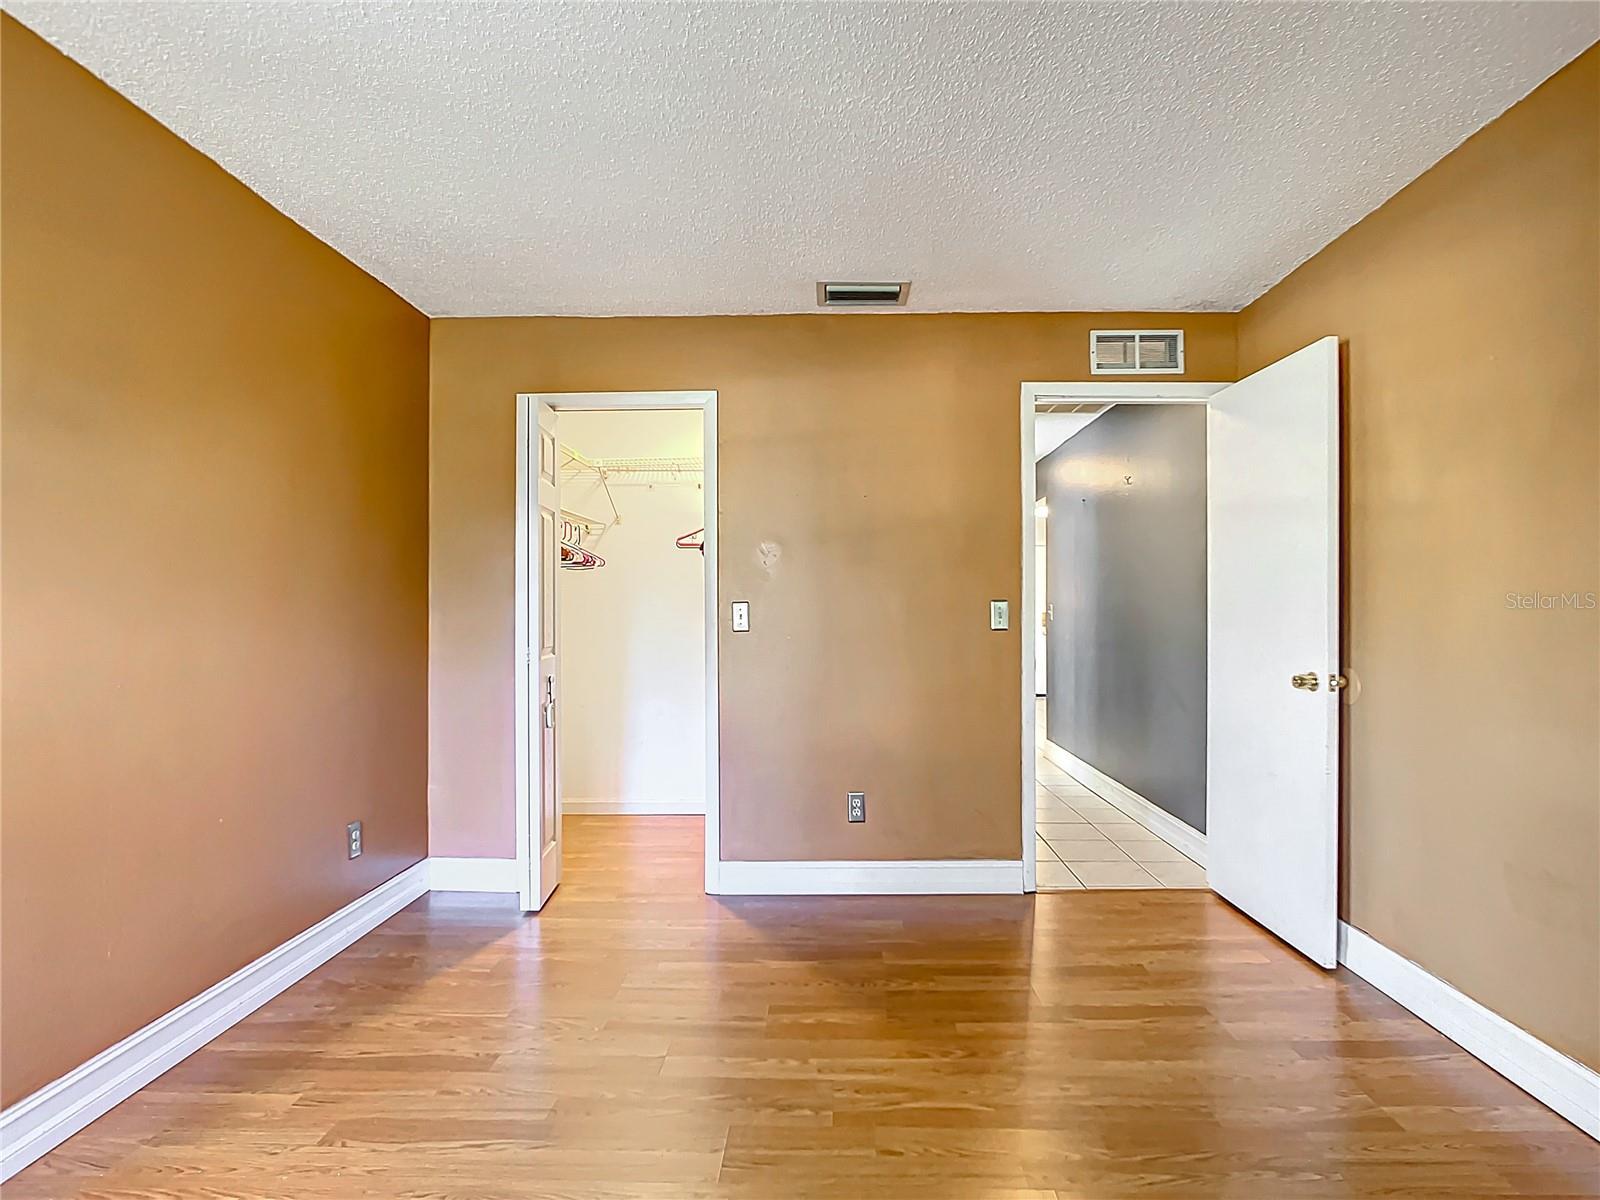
(1034, 394)
(527, 423)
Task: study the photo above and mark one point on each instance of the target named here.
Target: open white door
(539, 551)
(1272, 708)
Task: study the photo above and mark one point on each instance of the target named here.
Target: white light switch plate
(741, 616)
(999, 614)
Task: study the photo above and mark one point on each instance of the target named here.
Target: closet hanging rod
(590, 524)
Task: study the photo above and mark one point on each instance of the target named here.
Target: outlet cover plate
(856, 807)
(352, 839)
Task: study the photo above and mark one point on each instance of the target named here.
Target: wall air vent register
(1136, 352)
(863, 295)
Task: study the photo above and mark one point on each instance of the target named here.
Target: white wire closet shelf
(577, 463)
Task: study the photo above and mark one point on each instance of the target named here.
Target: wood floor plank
(641, 1041)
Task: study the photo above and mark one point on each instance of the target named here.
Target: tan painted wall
(877, 455)
(1469, 310)
(215, 538)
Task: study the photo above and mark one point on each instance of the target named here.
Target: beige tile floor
(1086, 842)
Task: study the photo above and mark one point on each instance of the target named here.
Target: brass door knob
(1307, 682)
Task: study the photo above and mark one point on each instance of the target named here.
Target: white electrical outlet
(999, 614)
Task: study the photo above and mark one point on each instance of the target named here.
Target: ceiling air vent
(862, 295)
(1136, 352)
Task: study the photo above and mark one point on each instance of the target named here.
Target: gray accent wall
(1125, 576)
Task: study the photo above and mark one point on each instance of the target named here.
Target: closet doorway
(616, 641)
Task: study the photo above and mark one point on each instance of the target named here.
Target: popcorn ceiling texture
(497, 159)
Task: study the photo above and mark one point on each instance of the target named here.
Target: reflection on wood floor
(639, 1039)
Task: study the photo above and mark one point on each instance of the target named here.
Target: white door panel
(1041, 643)
(539, 762)
(1272, 749)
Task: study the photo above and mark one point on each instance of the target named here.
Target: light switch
(741, 616)
(999, 614)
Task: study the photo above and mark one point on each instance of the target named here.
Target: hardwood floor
(640, 1039)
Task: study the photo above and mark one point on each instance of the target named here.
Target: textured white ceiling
(599, 158)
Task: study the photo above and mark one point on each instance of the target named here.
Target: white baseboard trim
(654, 808)
(40, 1122)
(472, 874)
(929, 877)
(1176, 833)
(1561, 1083)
